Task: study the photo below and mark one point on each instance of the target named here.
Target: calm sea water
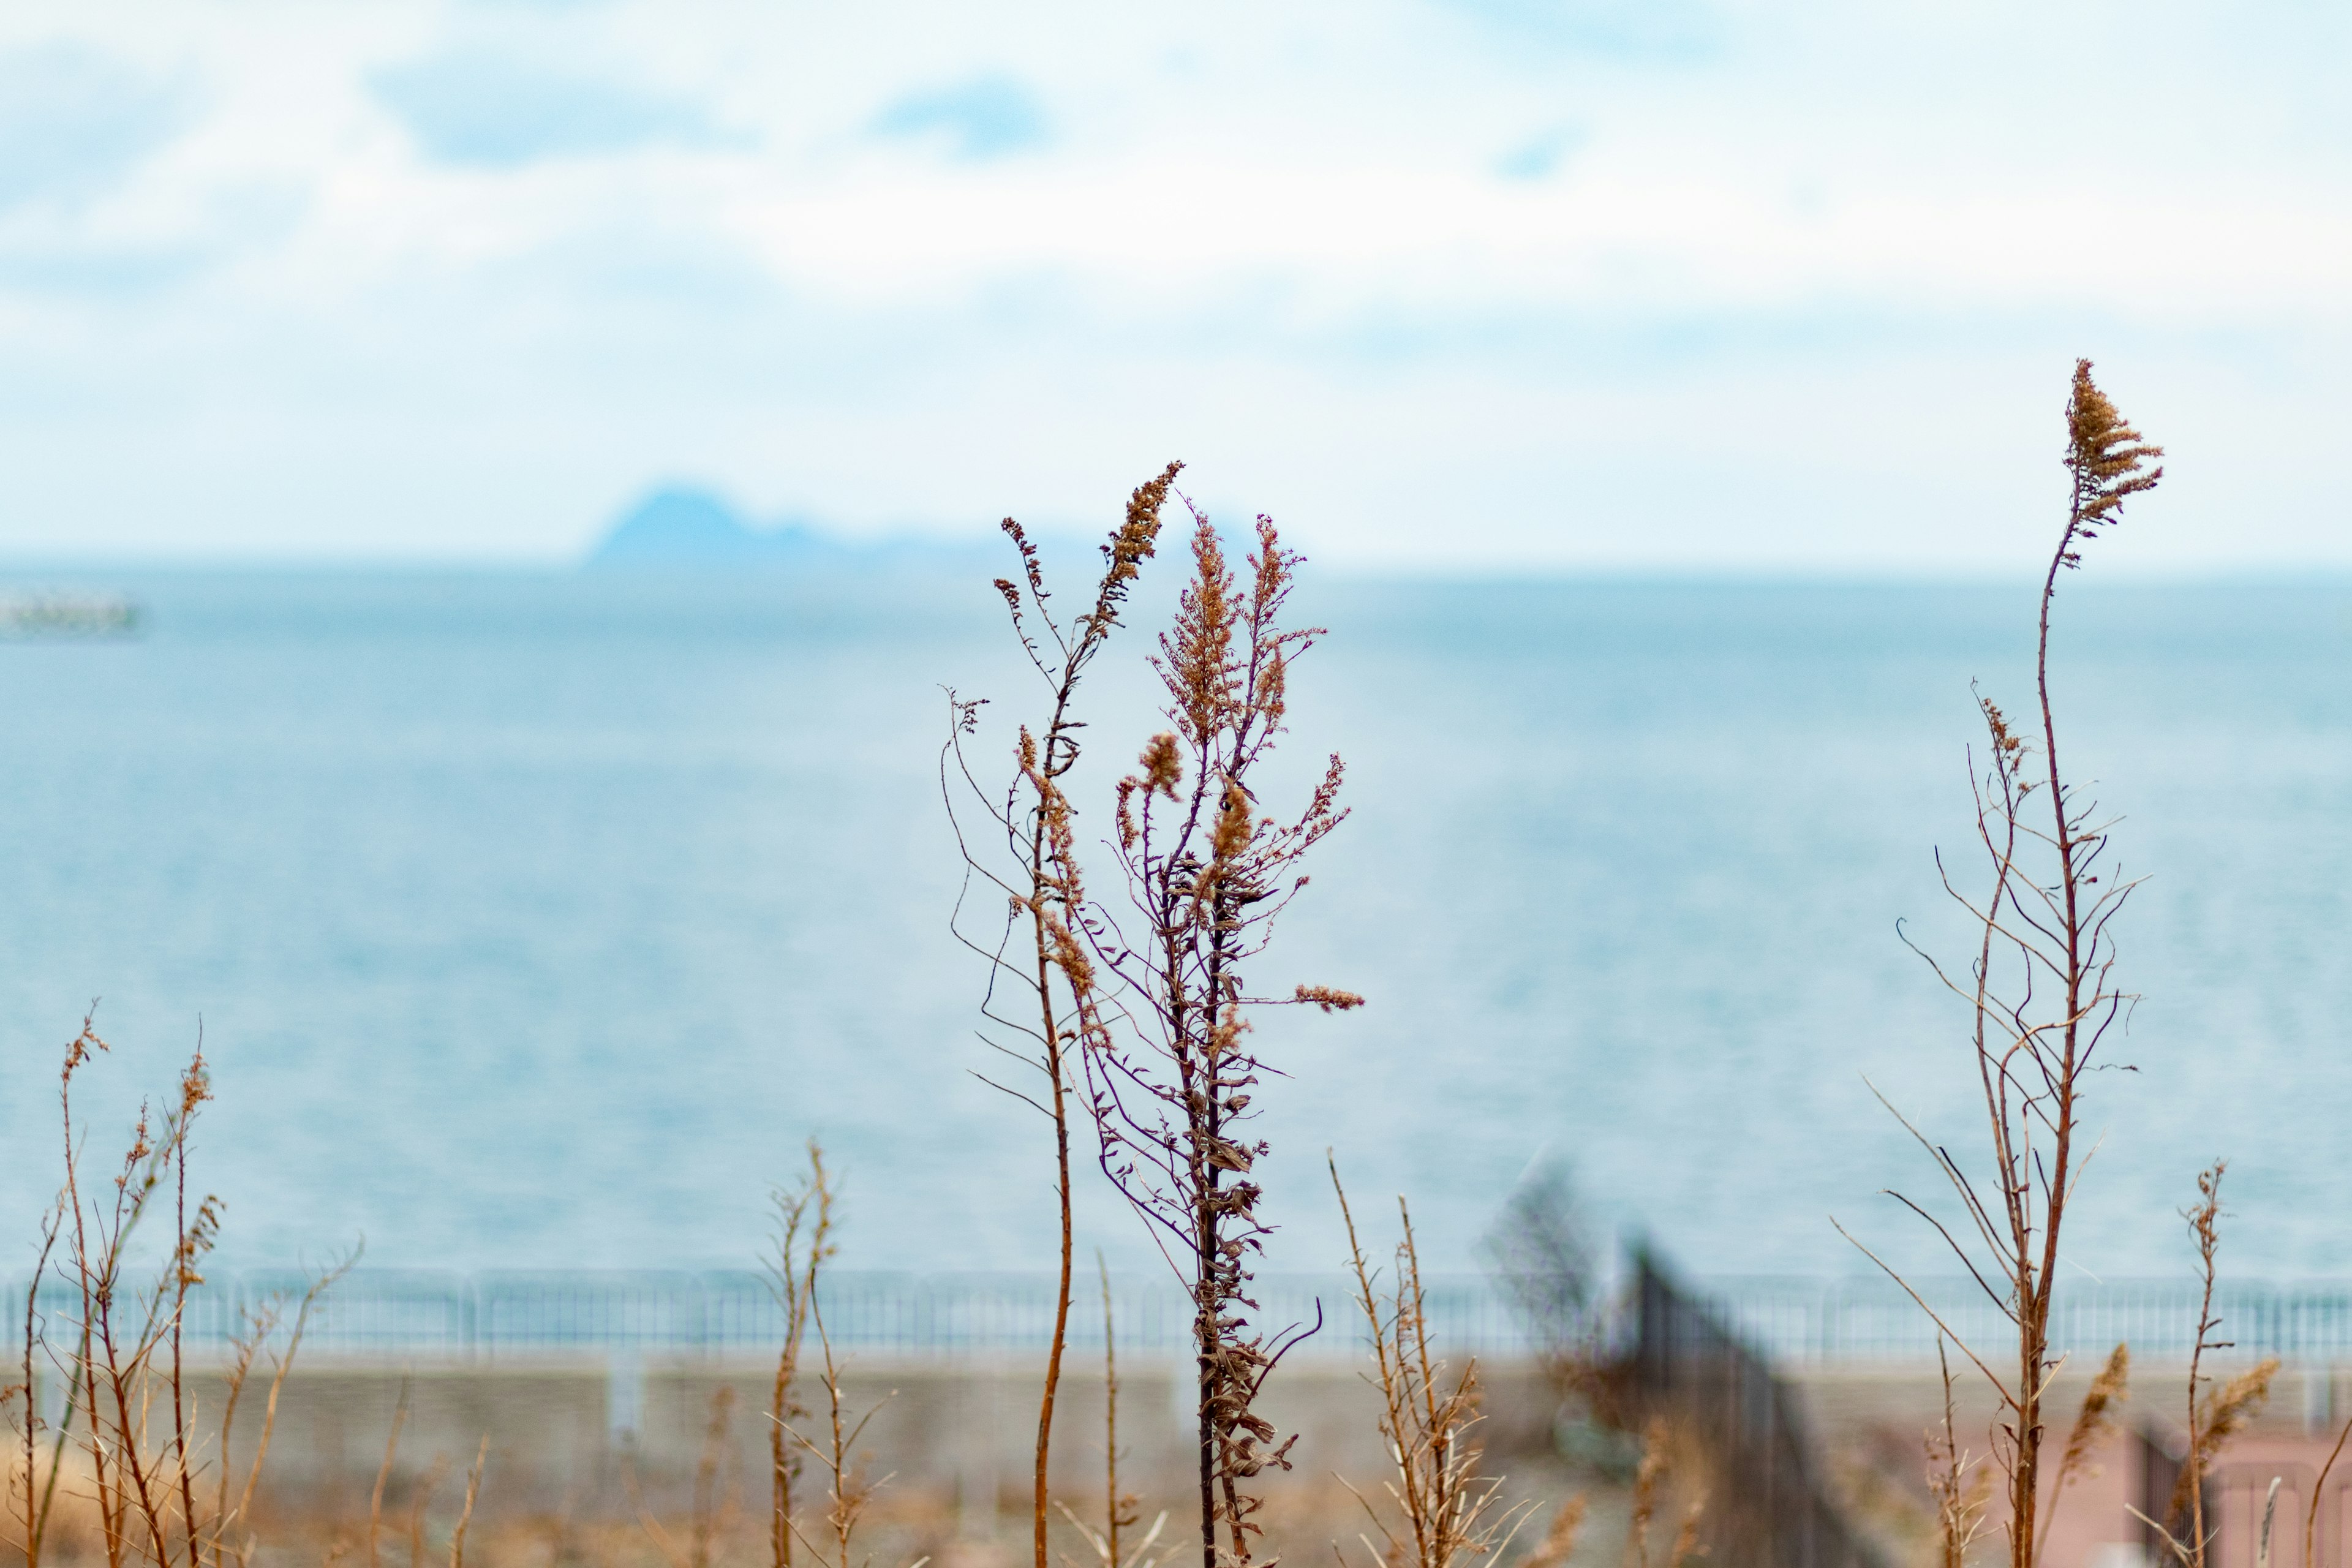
(537, 920)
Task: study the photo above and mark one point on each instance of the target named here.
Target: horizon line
(860, 561)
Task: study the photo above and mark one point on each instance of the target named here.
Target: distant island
(682, 527)
(24, 615)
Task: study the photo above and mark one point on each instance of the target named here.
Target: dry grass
(132, 1464)
(2093, 1423)
(850, 1488)
(804, 1243)
(1446, 1511)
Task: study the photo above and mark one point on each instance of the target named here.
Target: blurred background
(494, 491)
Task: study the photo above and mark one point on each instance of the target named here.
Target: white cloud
(1485, 280)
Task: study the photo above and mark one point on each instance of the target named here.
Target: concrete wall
(588, 1433)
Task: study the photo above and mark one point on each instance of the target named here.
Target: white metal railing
(422, 1313)
(401, 1313)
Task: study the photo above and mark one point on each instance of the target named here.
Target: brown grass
(1447, 1512)
(1957, 1480)
(128, 1457)
(850, 1491)
(804, 1243)
(2093, 1421)
(1653, 1489)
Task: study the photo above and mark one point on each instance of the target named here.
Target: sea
(539, 919)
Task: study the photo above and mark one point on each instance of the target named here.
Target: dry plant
(2318, 1491)
(2220, 1413)
(1119, 1509)
(849, 1491)
(1957, 1481)
(711, 1488)
(122, 1358)
(466, 1514)
(384, 1474)
(1558, 1542)
(1169, 1068)
(1452, 1513)
(1650, 1488)
(804, 1242)
(1122, 1510)
(2041, 990)
(254, 1345)
(1036, 869)
(2093, 1423)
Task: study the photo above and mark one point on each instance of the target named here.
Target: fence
(393, 1312)
(1796, 1320)
(399, 1312)
(1768, 1507)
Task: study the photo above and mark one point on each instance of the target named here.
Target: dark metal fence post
(1769, 1509)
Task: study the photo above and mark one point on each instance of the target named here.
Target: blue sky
(1442, 284)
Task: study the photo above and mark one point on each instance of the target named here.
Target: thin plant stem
(384, 1473)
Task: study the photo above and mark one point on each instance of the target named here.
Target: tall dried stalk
(118, 1344)
(1041, 878)
(1169, 1068)
(1451, 1511)
(2044, 926)
(2220, 1413)
(32, 1506)
(1119, 1509)
(804, 1242)
(255, 1343)
(849, 1491)
(1956, 1480)
(710, 1479)
(466, 1514)
(384, 1474)
(2319, 1490)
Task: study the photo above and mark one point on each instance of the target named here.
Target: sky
(1444, 285)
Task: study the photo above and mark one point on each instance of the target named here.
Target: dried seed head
(2107, 1390)
(1133, 542)
(1235, 825)
(2106, 457)
(2003, 739)
(2226, 1412)
(1163, 766)
(196, 1086)
(1029, 566)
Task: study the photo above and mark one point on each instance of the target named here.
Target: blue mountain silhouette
(684, 526)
